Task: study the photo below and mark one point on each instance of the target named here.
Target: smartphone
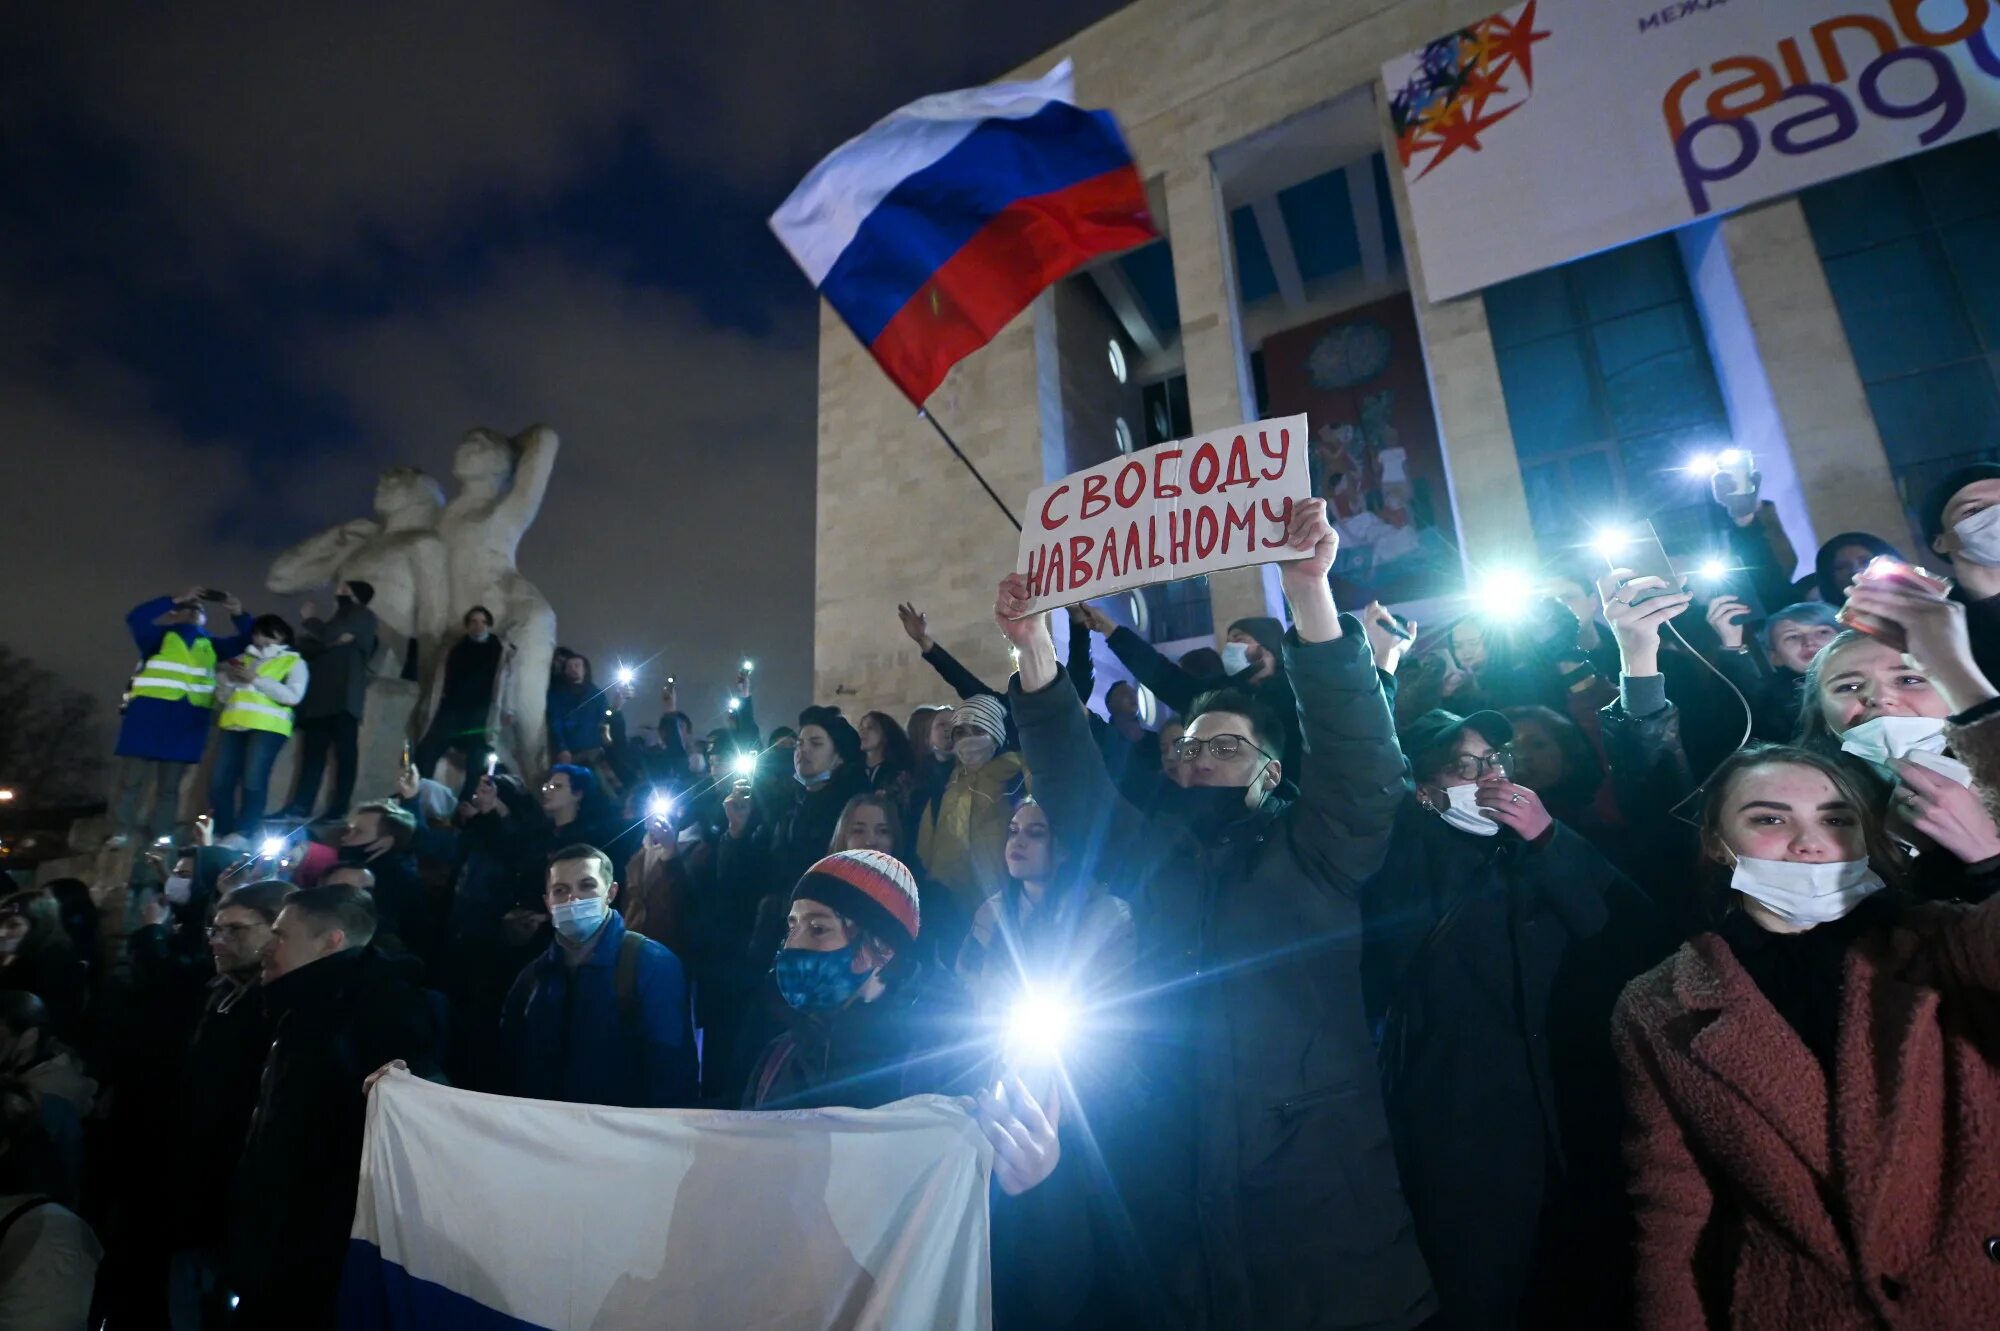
(1397, 625)
(1736, 464)
(492, 764)
(214, 594)
(1713, 586)
(1642, 552)
(1889, 569)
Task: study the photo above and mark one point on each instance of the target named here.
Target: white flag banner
(481, 1211)
(1557, 128)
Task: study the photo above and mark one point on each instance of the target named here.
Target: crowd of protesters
(1626, 961)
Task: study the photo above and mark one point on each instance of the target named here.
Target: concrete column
(1765, 300)
(1218, 373)
(1488, 503)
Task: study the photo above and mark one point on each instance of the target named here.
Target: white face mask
(1806, 894)
(178, 889)
(579, 919)
(1920, 739)
(975, 751)
(1979, 537)
(1464, 813)
(1235, 657)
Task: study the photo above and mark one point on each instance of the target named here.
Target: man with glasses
(1498, 940)
(1268, 1183)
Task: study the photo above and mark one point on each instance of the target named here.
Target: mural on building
(1359, 377)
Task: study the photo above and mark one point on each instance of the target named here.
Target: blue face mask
(819, 981)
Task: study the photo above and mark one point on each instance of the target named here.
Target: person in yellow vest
(171, 702)
(254, 697)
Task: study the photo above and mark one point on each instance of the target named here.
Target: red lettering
(1079, 561)
(1205, 453)
(1133, 559)
(1207, 531)
(1107, 558)
(1283, 519)
(1137, 471)
(1247, 520)
(1162, 487)
(1094, 501)
(1154, 559)
(1038, 564)
(1054, 495)
(1058, 576)
(1178, 534)
(1238, 470)
(1281, 457)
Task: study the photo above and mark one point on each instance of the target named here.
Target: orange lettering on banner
(1162, 487)
(1137, 471)
(1283, 518)
(1247, 520)
(1914, 29)
(1283, 454)
(1206, 532)
(1795, 65)
(1238, 470)
(1054, 495)
(1094, 501)
(1758, 76)
(1670, 105)
(1079, 561)
(1826, 41)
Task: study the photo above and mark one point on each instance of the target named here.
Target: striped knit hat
(983, 712)
(870, 888)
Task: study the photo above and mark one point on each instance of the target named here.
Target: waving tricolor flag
(934, 228)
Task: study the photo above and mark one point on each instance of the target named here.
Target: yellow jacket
(963, 837)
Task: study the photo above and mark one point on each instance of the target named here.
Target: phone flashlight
(492, 764)
(626, 675)
(273, 847)
(746, 764)
(748, 665)
(659, 808)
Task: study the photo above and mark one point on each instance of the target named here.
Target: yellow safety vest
(247, 709)
(179, 673)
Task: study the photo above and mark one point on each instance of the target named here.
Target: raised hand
(1726, 615)
(1514, 806)
(1934, 629)
(1029, 633)
(1386, 642)
(916, 624)
(1946, 812)
(1636, 628)
(1026, 1145)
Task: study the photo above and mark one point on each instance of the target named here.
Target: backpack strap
(629, 949)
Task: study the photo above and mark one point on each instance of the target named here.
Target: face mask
(975, 751)
(1979, 537)
(1917, 738)
(1806, 894)
(579, 919)
(178, 889)
(1235, 658)
(1463, 812)
(819, 981)
(813, 782)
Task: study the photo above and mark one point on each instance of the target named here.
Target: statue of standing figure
(501, 484)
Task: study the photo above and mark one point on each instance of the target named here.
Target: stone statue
(398, 551)
(501, 483)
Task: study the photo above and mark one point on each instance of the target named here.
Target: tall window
(1912, 252)
(1609, 390)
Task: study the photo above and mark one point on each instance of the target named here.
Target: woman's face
(1468, 645)
(1787, 811)
(816, 928)
(941, 732)
(1849, 560)
(1031, 848)
(871, 735)
(867, 828)
(1867, 679)
(1538, 759)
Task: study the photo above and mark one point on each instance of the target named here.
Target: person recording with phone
(1768, 665)
(1961, 524)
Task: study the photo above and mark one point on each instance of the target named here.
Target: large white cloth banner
(480, 1211)
(1559, 128)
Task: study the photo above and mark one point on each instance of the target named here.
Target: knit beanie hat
(1268, 632)
(983, 712)
(870, 888)
(364, 592)
(846, 739)
(1941, 495)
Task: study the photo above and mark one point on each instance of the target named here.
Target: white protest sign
(1215, 501)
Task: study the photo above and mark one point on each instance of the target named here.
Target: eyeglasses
(1224, 747)
(1471, 768)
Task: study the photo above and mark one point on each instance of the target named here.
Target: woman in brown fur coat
(1813, 1088)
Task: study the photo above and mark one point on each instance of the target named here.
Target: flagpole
(950, 443)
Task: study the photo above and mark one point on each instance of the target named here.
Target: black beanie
(364, 592)
(846, 739)
(1940, 495)
(1269, 633)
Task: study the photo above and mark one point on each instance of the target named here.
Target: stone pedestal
(385, 726)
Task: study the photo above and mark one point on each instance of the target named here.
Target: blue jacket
(173, 732)
(565, 1038)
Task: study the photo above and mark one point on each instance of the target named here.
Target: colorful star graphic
(1443, 108)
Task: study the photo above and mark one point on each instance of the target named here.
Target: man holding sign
(1271, 1176)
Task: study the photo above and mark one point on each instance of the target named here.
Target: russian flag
(932, 229)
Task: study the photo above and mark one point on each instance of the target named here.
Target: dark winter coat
(225, 1060)
(1178, 689)
(338, 684)
(334, 1021)
(913, 1040)
(1494, 964)
(1273, 1200)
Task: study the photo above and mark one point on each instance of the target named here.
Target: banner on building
(482, 1211)
(1215, 501)
(1558, 128)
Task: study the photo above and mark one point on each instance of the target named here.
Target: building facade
(1848, 336)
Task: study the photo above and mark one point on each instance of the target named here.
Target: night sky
(250, 254)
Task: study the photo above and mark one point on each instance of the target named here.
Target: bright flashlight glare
(1702, 464)
(1713, 569)
(625, 675)
(5, 795)
(1611, 541)
(1505, 593)
(273, 847)
(735, 703)
(746, 764)
(1729, 457)
(1039, 1025)
(748, 665)
(660, 807)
